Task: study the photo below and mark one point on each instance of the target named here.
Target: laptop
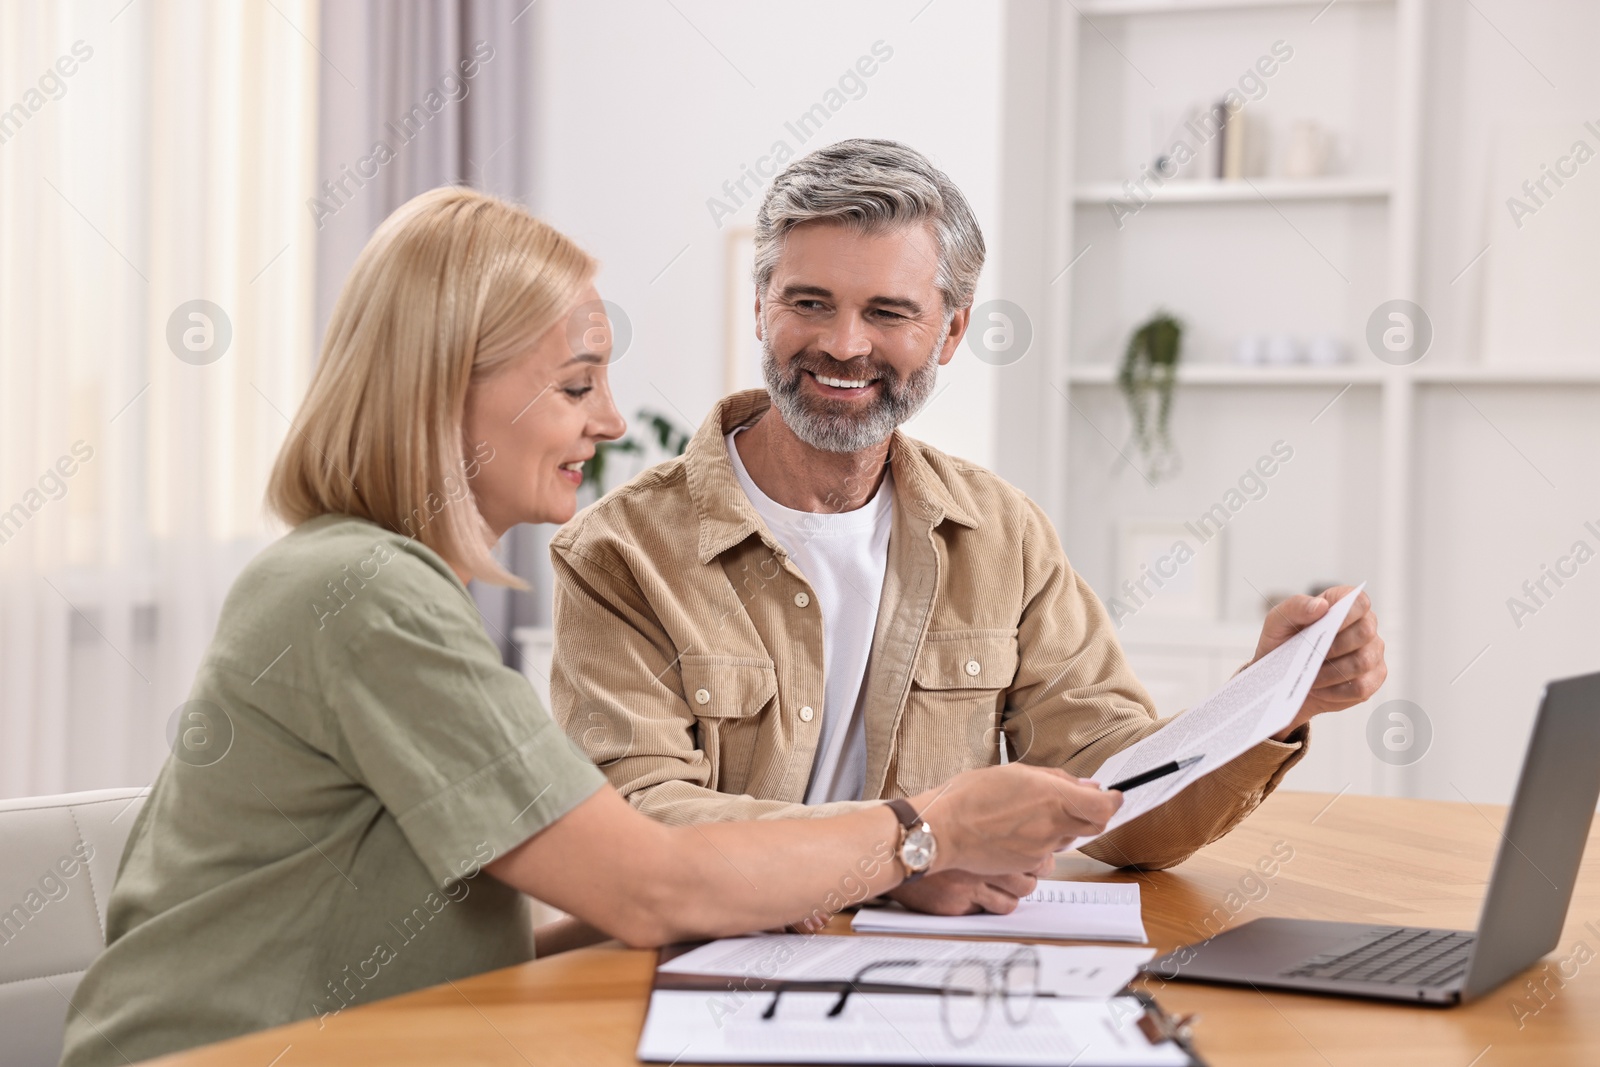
(1529, 891)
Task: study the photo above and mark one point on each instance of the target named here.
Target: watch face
(919, 848)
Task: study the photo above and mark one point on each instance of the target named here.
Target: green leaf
(1147, 378)
(663, 435)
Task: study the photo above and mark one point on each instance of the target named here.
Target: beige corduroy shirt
(688, 660)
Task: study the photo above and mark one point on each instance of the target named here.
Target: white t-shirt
(844, 556)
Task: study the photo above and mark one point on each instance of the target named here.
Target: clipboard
(1154, 1022)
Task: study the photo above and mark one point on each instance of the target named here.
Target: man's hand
(963, 893)
(1011, 819)
(1354, 667)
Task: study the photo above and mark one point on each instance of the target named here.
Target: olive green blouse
(353, 752)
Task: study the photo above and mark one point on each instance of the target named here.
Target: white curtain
(446, 87)
(152, 154)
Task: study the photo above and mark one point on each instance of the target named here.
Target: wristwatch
(917, 845)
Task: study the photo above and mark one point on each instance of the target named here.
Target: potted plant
(1147, 377)
(663, 433)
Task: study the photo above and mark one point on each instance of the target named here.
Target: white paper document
(1256, 703)
(1071, 911)
(887, 1028)
(1064, 970)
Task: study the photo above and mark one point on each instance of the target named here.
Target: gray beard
(829, 427)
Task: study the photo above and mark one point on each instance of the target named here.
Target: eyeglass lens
(964, 1004)
(1020, 984)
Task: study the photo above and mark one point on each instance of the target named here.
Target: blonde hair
(450, 288)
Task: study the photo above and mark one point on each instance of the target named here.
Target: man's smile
(828, 385)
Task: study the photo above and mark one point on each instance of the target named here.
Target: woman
(376, 756)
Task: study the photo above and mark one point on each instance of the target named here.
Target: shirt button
(973, 667)
(702, 696)
(801, 600)
(806, 714)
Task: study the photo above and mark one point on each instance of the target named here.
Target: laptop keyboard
(1397, 957)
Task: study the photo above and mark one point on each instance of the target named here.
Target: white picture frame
(1191, 592)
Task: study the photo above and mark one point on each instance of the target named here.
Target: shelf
(1353, 374)
(1231, 192)
(1240, 374)
(1531, 374)
(1179, 7)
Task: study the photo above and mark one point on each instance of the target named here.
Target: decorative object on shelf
(1184, 146)
(1309, 150)
(1322, 349)
(1232, 136)
(1147, 377)
(664, 434)
(1283, 349)
(1250, 350)
(1325, 350)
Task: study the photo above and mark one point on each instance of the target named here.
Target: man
(810, 610)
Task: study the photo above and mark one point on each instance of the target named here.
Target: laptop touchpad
(1263, 947)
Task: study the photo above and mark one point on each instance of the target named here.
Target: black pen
(1153, 773)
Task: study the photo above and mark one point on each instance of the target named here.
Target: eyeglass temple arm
(844, 994)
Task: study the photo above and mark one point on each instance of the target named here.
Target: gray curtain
(416, 94)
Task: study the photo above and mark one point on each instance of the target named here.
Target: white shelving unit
(1085, 86)
(1192, 654)
(1444, 483)
(1097, 64)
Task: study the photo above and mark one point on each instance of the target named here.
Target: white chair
(58, 858)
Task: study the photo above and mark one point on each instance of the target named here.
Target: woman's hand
(650, 884)
(1010, 819)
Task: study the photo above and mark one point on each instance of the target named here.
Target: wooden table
(1353, 858)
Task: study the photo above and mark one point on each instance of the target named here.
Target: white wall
(1512, 66)
(1487, 517)
(646, 112)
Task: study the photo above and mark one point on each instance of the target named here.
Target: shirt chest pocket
(727, 694)
(951, 721)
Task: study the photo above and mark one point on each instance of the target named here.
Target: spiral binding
(1104, 894)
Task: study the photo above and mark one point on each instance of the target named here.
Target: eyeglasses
(969, 987)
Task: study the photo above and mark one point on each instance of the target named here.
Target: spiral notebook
(1070, 911)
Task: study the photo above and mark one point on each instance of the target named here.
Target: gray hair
(873, 185)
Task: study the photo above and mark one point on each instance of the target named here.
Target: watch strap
(904, 812)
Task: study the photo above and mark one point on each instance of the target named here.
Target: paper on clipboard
(1256, 703)
(700, 1012)
(1064, 971)
(887, 1028)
